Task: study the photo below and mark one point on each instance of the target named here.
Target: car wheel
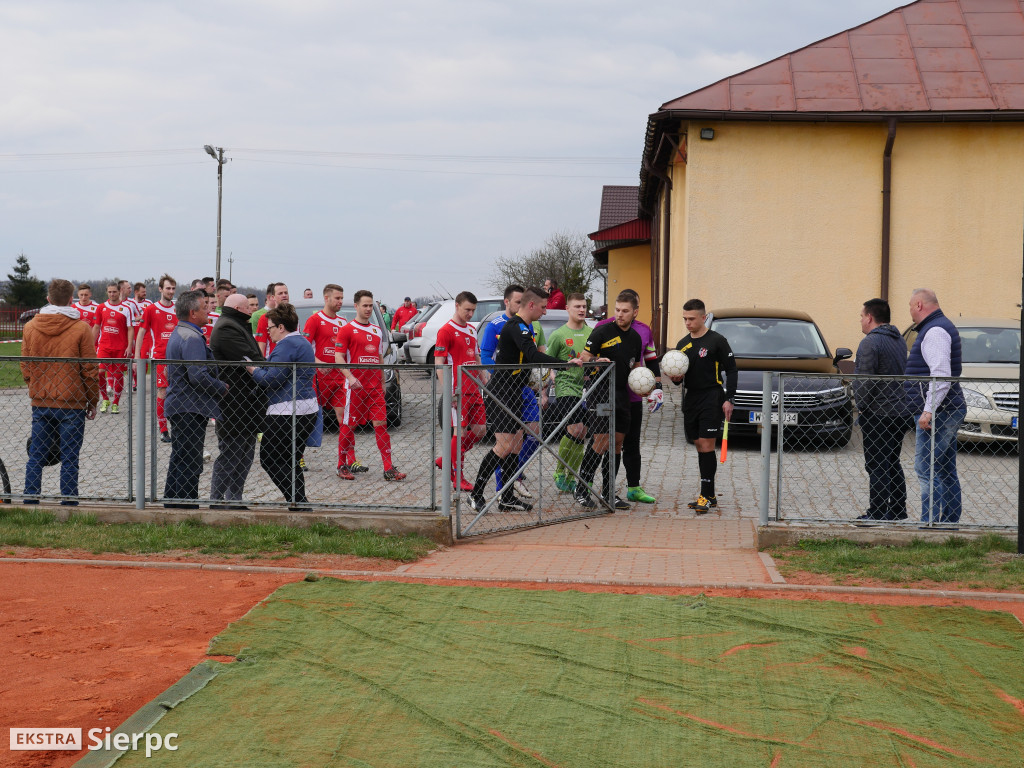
(394, 410)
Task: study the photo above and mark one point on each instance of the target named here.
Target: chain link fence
(963, 471)
(815, 467)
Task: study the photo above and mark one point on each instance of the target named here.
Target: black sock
(707, 465)
(606, 473)
(588, 468)
(488, 464)
(509, 465)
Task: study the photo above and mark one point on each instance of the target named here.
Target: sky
(398, 146)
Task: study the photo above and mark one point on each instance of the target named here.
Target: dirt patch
(86, 646)
(278, 559)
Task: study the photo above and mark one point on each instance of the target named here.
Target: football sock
(708, 465)
(509, 465)
(469, 439)
(161, 420)
(103, 383)
(588, 467)
(346, 445)
(487, 466)
(530, 446)
(117, 384)
(606, 473)
(384, 445)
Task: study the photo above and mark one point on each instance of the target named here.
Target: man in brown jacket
(63, 395)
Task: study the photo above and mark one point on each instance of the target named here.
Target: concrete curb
(1009, 597)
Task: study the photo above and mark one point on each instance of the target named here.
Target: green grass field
(34, 528)
(398, 675)
(987, 562)
(10, 371)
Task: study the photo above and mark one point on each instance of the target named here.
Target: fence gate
(534, 411)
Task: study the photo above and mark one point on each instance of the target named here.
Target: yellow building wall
(958, 218)
(630, 268)
(789, 215)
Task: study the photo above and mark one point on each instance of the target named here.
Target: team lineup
(507, 398)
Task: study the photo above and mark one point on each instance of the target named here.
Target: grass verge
(987, 562)
(10, 370)
(36, 528)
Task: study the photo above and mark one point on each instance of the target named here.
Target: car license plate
(790, 417)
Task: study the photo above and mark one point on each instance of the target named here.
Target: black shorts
(598, 425)
(702, 413)
(499, 418)
(557, 410)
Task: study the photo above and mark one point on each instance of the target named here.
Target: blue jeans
(940, 486)
(66, 425)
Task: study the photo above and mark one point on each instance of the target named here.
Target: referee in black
(619, 343)
(516, 344)
(705, 402)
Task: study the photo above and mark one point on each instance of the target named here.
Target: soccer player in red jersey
(85, 306)
(322, 330)
(262, 338)
(456, 346)
(114, 333)
(211, 316)
(158, 322)
(360, 341)
(138, 302)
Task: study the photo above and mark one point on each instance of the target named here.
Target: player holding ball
(705, 402)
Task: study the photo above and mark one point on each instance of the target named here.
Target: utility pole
(231, 264)
(217, 153)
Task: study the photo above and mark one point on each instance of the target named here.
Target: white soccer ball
(675, 363)
(538, 377)
(641, 380)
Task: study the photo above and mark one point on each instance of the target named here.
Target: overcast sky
(390, 145)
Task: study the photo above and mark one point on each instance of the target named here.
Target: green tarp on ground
(336, 673)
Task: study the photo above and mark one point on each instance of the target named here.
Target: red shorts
(114, 369)
(363, 405)
(473, 411)
(330, 388)
(161, 376)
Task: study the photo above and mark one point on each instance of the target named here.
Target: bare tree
(565, 257)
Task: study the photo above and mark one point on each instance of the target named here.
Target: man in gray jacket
(884, 417)
(243, 406)
(193, 398)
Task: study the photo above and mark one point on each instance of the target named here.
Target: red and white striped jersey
(322, 331)
(456, 346)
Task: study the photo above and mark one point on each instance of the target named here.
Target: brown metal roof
(929, 56)
(618, 205)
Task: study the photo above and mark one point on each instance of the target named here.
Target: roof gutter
(887, 207)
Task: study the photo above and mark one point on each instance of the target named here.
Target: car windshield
(990, 345)
(770, 337)
(485, 307)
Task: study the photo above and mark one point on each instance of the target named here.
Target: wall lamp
(707, 133)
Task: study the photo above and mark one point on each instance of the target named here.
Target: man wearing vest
(939, 408)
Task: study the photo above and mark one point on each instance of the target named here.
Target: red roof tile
(931, 55)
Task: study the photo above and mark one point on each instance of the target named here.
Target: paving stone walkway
(613, 549)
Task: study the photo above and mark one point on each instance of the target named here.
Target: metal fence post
(778, 453)
(140, 439)
(446, 438)
(766, 444)
(611, 435)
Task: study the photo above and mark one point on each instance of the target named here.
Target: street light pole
(217, 153)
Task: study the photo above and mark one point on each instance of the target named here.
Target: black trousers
(887, 485)
(280, 452)
(631, 445)
(188, 433)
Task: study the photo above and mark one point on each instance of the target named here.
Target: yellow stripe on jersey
(718, 375)
(686, 347)
(612, 342)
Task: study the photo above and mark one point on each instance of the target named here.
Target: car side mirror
(842, 354)
(398, 339)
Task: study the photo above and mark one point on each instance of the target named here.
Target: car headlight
(837, 394)
(975, 399)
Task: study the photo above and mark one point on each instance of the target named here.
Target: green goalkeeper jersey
(565, 344)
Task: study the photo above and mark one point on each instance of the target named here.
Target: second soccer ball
(641, 380)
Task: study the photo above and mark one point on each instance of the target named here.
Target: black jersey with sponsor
(517, 344)
(711, 363)
(624, 348)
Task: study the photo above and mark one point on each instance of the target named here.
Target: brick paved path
(629, 548)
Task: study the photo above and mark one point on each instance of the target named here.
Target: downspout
(887, 207)
(667, 229)
(660, 313)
